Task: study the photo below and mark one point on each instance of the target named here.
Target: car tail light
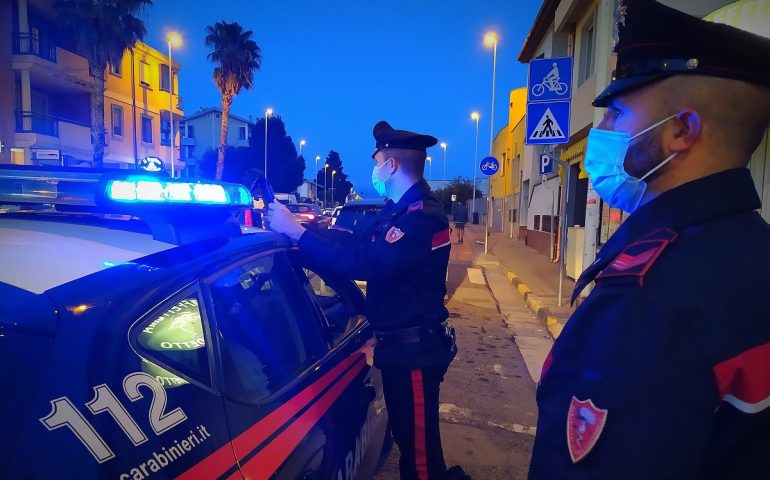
(309, 216)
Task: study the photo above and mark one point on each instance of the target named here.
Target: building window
(165, 128)
(163, 77)
(146, 129)
(190, 131)
(144, 74)
(187, 151)
(117, 69)
(182, 130)
(587, 46)
(242, 133)
(117, 121)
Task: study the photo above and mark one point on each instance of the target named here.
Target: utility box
(574, 258)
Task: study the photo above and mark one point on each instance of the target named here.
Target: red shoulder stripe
(440, 239)
(744, 380)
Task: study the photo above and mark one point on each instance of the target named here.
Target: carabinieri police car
(145, 334)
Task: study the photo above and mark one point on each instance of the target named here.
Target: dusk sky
(331, 70)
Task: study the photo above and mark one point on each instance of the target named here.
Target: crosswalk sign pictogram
(547, 123)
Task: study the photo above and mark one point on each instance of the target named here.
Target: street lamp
(430, 161)
(475, 116)
(334, 172)
(326, 182)
(268, 112)
(443, 147)
(173, 39)
(490, 40)
(317, 157)
(301, 144)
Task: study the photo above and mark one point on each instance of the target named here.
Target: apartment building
(47, 97)
(200, 133)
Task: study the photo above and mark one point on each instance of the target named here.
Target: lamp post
(301, 144)
(430, 175)
(326, 182)
(443, 147)
(490, 40)
(174, 39)
(334, 172)
(268, 112)
(317, 157)
(475, 116)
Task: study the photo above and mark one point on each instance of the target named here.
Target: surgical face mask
(377, 182)
(604, 159)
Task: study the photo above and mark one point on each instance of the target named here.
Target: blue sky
(333, 69)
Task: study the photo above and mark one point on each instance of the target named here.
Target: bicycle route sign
(549, 90)
(489, 166)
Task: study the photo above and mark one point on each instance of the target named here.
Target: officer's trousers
(412, 398)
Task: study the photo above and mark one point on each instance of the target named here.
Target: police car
(144, 334)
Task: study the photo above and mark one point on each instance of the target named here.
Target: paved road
(488, 411)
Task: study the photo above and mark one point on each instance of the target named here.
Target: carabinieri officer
(404, 258)
(663, 372)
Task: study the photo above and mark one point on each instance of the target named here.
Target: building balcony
(49, 65)
(53, 138)
(28, 44)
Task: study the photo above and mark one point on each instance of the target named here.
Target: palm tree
(238, 56)
(101, 31)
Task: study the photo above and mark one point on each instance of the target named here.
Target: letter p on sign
(546, 166)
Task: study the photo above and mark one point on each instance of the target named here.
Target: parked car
(309, 215)
(144, 334)
(333, 214)
(357, 215)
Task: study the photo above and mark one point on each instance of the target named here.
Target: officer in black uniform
(663, 372)
(404, 258)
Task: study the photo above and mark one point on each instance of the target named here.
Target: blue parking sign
(549, 79)
(547, 123)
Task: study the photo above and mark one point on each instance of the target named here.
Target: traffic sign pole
(563, 223)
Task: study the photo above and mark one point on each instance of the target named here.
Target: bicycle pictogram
(551, 82)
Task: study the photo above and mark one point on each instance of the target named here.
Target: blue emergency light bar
(93, 188)
(160, 191)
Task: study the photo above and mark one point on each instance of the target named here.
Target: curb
(552, 323)
(535, 304)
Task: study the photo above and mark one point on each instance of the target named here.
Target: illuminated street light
(443, 147)
(430, 161)
(334, 172)
(317, 157)
(490, 40)
(301, 144)
(326, 182)
(475, 116)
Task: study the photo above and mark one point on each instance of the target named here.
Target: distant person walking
(460, 218)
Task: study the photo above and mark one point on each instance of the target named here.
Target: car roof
(365, 202)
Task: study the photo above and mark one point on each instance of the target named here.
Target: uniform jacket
(663, 372)
(403, 258)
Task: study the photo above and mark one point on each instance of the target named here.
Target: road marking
(476, 276)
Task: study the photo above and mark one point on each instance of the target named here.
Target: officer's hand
(280, 219)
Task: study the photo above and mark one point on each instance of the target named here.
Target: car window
(294, 208)
(266, 325)
(172, 339)
(357, 218)
(335, 299)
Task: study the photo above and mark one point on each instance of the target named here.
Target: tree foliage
(285, 169)
(237, 57)
(342, 186)
(462, 187)
(101, 31)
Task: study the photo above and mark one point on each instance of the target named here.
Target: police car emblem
(393, 235)
(585, 422)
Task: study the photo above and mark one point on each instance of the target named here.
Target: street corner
(554, 326)
(524, 289)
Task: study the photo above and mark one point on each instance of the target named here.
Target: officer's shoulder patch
(585, 423)
(637, 258)
(394, 234)
(415, 207)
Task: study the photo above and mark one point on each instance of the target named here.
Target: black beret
(386, 136)
(655, 42)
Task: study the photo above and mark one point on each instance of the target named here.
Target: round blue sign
(489, 165)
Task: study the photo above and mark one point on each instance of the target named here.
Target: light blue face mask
(379, 184)
(604, 159)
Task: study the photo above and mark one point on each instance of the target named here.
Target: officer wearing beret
(663, 372)
(404, 258)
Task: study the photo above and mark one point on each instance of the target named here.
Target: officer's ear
(684, 132)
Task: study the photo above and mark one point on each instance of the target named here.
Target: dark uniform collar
(416, 192)
(718, 195)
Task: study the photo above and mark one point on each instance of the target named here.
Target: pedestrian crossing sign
(547, 123)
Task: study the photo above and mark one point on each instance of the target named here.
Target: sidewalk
(533, 275)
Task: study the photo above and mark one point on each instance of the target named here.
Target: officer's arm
(410, 240)
(632, 353)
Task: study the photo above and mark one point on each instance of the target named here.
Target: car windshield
(357, 217)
